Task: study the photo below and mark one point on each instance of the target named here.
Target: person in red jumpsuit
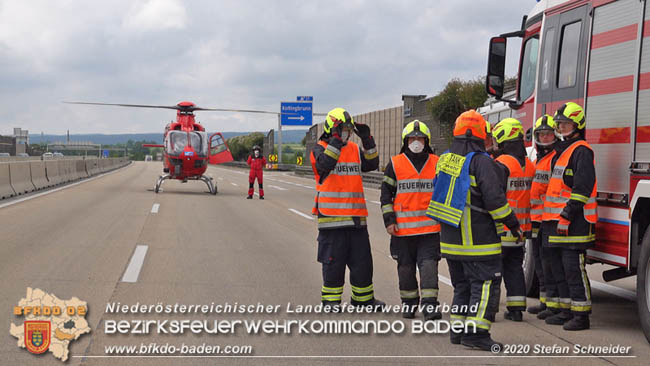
(256, 162)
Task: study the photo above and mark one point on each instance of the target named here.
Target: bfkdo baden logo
(50, 324)
(37, 335)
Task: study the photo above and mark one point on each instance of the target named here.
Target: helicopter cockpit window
(177, 142)
(199, 142)
(218, 145)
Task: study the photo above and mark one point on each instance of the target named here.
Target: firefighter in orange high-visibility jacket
(569, 218)
(544, 139)
(415, 238)
(341, 208)
(467, 200)
(519, 171)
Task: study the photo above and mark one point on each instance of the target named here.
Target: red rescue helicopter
(187, 148)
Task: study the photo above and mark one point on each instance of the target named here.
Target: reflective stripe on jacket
(518, 195)
(341, 192)
(414, 190)
(539, 186)
(558, 193)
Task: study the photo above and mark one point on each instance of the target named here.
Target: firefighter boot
(377, 305)
(537, 308)
(559, 318)
(407, 311)
(430, 311)
(514, 315)
(579, 322)
(482, 341)
(454, 337)
(546, 313)
(261, 192)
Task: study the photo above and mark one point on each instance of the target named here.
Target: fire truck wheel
(532, 284)
(643, 286)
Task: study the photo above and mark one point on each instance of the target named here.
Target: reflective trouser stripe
(583, 306)
(457, 318)
(542, 297)
(479, 319)
(429, 292)
(331, 293)
(363, 294)
(515, 300)
(553, 302)
(565, 303)
(410, 294)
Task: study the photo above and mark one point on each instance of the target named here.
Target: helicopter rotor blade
(236, 110)
(129, 105)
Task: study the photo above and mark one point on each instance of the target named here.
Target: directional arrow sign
(296, 113)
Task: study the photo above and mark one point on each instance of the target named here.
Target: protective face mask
(345, 135)
(257, 154)
(416, 147)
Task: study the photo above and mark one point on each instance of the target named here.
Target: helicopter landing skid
(212, 187)
(159, 182)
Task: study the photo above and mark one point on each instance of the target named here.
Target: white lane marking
(257, 194)
(301, 214)
(376, 202)
(133, 270)
(276, 187)
(445, 280)
(155, 207)
(60, 188)
(620, 292)
(234, 184)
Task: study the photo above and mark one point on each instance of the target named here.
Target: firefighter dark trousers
(338, 248)
(422, 251)
(539, 267)
(513, 277)
(568, 269)
(477, 288)
(251, 181)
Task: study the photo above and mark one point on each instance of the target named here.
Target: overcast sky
(360, 55)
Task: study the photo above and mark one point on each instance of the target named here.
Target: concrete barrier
(80, 167)
(91, 167)
(21, 177)
(39, 178)
(68, 167)
(6, 190)
(52, 172)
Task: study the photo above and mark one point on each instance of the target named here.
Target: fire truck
(595, 53)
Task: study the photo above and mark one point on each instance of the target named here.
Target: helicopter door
(219, 152)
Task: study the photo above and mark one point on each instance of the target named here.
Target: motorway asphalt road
(195, 248)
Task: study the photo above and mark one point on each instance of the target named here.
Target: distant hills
(288, 136)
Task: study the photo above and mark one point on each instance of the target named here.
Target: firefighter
(569, 218)
(415, 238)
(341, 208)
(256, 162)
(466, 201)
(544, 139)
(518, 173)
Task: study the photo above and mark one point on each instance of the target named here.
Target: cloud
(155, 15)
(362, 55)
